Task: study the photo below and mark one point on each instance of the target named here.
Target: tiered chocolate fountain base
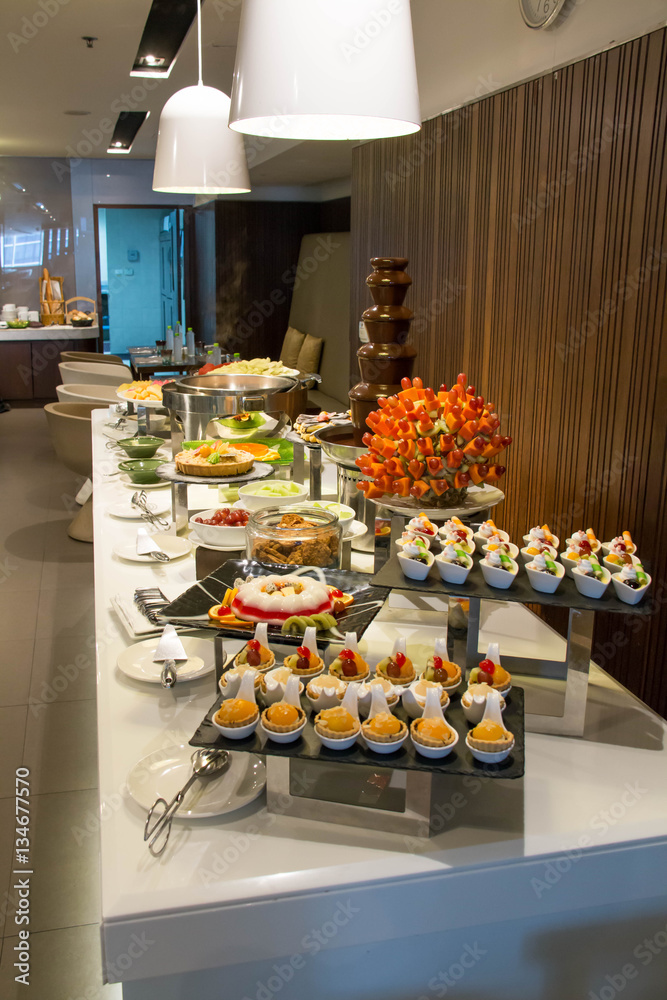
(383, 362)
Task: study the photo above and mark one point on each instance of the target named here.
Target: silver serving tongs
(140, 500)
(205, 763)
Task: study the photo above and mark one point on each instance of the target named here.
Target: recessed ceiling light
(76, 114)
(166, 26)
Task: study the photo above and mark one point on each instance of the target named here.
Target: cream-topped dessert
(453, 552)
(421, 525)
(274, 599)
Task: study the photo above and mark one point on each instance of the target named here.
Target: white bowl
(413, 704)
(253, 502)
(474, 712)
(385, 747)
(513, 552)
(283, 737)
(332, 744)
(528, 556)
(568, 564)
(413, 569)
(435, 752)
(607, 545)
(481, 540)
(615, 567)
(450, 572)
(346, 515)
(486, 757)
(238, 733)
(275, 689)
(627, 594)
(588, 586)
(501, 579)
(545, 583)
(217, 534)
(527, 540)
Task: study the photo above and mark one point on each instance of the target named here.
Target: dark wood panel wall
(244, 257)
(534, 222)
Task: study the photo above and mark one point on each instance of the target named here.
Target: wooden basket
(52, 307)
(69, 311)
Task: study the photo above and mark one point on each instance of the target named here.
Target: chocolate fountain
(383, 362)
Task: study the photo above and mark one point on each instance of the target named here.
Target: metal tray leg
(579, 646)
(179, 506)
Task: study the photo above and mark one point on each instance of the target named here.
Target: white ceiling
(464, 49)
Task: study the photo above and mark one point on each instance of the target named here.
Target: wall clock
(540, 13)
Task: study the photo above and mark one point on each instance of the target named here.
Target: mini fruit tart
(283, 722)
(256, 653)
(491, 672)
(272, 684)
(365, 693)
(490, 738)
(304, 663)
(349, 666)
(238, 717)
(384, 730)
(337, 727)
(433, 733)
(325, 691)
(414, 697)
(397, 668)
(443, 672)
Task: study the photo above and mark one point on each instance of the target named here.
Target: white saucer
(173, 545)
(126, 481)
(137, 660)
(196, 540)
(163, 772)
(127, 511)
(357, 529)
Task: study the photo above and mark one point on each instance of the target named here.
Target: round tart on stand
(338, 727)
(214, 460)
(382, 731)
(238, 717)
(489, 742)
(491, 672)
(431, 735)
(306, 662)
(397, 668)
(441, 670)
(256, 652)
(285, 720)
(349, 665)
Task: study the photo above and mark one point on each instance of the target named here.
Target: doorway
(141, 274)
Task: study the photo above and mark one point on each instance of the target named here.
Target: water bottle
(217, 357)
(177, 354)
(169, 339)
(237, 357)
(190, 343)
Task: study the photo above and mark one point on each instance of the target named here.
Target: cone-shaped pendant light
(325, 69)
(197, 153)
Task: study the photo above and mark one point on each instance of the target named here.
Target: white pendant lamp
(325, 69)
(196, 152)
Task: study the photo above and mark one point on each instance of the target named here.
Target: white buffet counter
(534, 888)
(54, 332)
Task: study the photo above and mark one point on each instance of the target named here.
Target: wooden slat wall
(534, 222)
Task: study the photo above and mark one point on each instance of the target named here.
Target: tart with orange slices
(236, 713)
(432, 732)
(254, 654)
(489, 737)
(336, 723)
(349, 666)
(283, 718)
(218, 459)
(384, 728)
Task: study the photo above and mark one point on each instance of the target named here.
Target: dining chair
(93, 373)
(84, 393)
(70, 428)
(102, 359)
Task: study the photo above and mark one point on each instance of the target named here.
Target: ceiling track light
(196, 151)
(165, 29)
(125, 131)
(340, 70)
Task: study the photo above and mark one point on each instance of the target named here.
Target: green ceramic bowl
(142, 471)
(140, 447)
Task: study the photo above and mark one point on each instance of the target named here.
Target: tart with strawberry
(305, 662)
(397, 668)
(349, 666)
(491, 673)
(443, 672)
(256, 653)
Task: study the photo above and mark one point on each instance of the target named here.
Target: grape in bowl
(221, 526)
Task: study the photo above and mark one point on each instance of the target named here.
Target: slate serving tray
(196, 601)
(308, 747)
(567, 595)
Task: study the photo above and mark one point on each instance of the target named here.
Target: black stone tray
(196, 601)
(520, 592)
(308, 747)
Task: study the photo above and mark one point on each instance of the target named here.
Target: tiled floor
(47, 717)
